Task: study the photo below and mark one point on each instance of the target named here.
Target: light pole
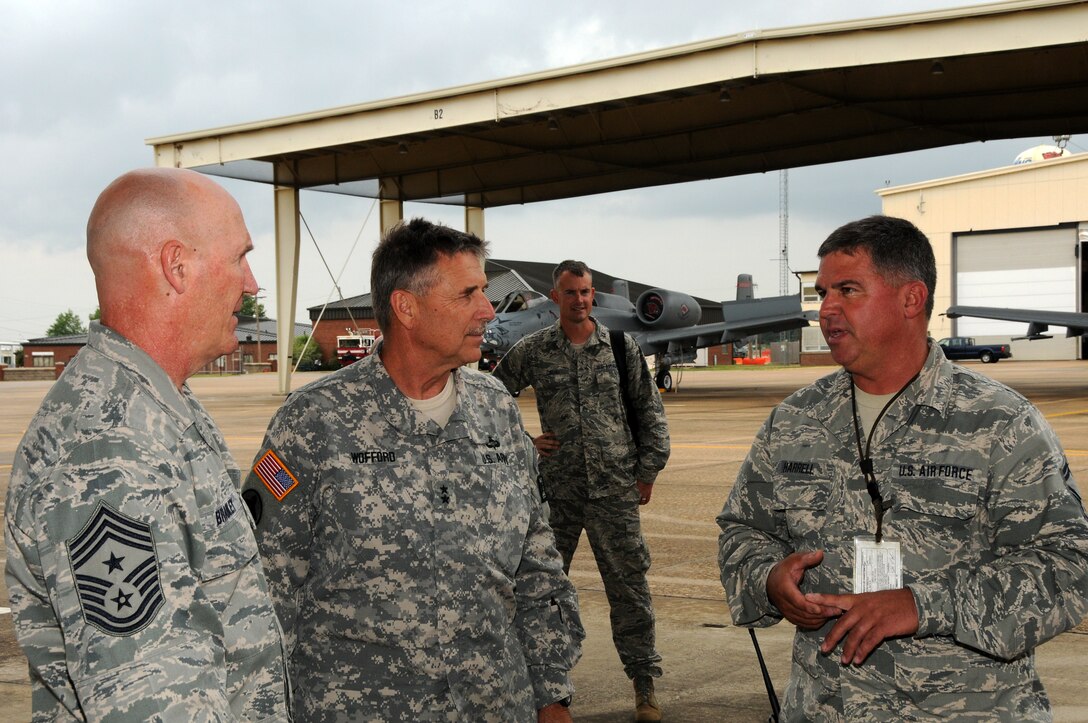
(257, 308)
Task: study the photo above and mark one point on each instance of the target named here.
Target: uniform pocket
(805, 506)
(931, 518)
(230, 543)
(955, 499)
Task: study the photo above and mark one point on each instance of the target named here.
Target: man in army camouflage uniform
(916, 520)
(407, 546)
(132, 567)
(596, 469)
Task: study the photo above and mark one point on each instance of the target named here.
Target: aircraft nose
(494, 336)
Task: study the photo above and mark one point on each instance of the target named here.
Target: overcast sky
(85, 83)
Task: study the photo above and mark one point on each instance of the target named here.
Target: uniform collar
(933, 388)
(937, 380)
(599, 335)
(146, 370)
(402, 416)
(391, 401)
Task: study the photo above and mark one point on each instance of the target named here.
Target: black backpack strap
(619, 351)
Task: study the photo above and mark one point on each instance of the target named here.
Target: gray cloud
(93, 80)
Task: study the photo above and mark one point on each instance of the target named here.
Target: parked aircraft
(1075, 323)
(665, 323)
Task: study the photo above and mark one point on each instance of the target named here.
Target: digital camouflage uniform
(132, 567)
(590, 479)
(991, 527)
(412, 566)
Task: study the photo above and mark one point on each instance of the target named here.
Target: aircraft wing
(743, 318)
(1076, 323)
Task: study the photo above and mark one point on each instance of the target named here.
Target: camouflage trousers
(614, 531)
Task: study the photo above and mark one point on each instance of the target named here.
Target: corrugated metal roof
(503, 283)
(70, 339)
(248, 330)
(353, 302)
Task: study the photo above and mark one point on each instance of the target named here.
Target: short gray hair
(405, 259)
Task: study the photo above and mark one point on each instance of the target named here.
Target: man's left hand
(868, 619)
(644, 492)
(554, 713)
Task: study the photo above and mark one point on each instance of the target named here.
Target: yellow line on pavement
(1068, 452)
(1067, 414)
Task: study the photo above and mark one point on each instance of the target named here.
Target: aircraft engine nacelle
(664, 309)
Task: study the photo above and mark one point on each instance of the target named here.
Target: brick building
(48, 351)
(256, 346)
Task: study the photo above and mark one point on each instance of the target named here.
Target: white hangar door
(1020, 269)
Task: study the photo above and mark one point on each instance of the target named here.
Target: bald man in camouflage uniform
(595, 470)
(974, 497)
(132, 567)
(398, 512)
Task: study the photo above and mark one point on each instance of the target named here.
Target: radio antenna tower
(783, 231)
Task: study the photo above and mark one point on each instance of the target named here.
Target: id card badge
(877, 565)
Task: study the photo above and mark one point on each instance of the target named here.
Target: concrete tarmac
(711, 673)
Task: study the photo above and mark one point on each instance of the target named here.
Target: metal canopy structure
(754, 102)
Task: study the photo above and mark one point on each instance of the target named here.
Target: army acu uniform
(590, 479)
(132, 567)
(991, 527)
(411, 565)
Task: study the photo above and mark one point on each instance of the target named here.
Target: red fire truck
(355, 345)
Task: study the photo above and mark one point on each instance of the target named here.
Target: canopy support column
(474, 220)
(287, 245)
(391, 214)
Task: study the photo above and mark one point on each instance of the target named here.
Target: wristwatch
(565, 702)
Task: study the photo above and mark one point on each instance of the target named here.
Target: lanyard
(866, 461)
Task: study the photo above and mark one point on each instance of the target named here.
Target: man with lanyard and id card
(917, 521)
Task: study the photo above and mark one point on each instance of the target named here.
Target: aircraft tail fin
(744, 287)
(619, 288)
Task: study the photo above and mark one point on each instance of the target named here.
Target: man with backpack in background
(597, 463)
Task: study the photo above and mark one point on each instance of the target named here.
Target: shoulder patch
(254, 503)
(275, 475)
(116, 571)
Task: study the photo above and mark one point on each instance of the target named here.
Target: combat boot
(646, 708)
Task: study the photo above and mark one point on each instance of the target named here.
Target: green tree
(306, 349)
(96, 314)
(67, 323)
(251, 307)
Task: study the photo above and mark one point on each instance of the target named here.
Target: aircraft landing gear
(664, 380)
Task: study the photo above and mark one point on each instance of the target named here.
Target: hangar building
(1015, 237)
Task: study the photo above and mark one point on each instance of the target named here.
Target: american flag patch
(276, 477)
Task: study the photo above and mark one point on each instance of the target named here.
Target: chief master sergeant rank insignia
(116, 571)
